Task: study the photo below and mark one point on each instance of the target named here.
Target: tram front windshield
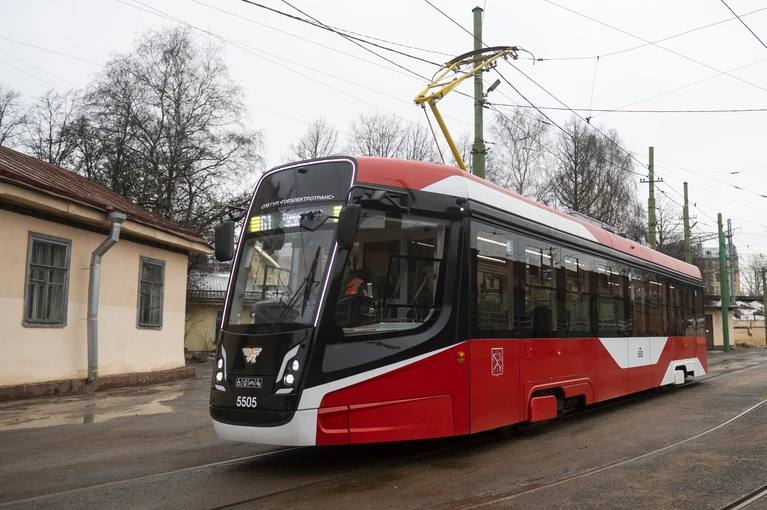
(282, 265)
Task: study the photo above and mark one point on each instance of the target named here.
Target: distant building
(709, 267)
(51, 223)
(204, 308)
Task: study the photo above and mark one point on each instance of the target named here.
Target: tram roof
(449, 180)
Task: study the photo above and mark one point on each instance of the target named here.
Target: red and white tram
(381, 300)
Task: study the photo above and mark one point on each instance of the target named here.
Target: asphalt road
(703, 445)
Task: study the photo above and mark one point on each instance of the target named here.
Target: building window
(47, 281)
(150, 293)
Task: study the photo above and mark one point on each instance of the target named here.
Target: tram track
(456, 444)
(740, 503)
(748, 499)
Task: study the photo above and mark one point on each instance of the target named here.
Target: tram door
(494, 370)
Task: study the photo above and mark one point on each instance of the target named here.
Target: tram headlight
(295, 365)
(289, 379)
(219, 376)
(220, 363)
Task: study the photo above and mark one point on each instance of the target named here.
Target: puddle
(93, 409)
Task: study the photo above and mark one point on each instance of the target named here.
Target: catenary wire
(73, 57)
(19, 69)
(744, 24)
(618, 110)
(563, 104)
(262, 54)
(650, 43)
(356, 40)
(305, 39)
(38, 68)
(668, 50)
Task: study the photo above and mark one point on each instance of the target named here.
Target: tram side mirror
(348, 223)
(224, 241)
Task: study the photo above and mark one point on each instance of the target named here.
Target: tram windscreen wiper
(304, 289)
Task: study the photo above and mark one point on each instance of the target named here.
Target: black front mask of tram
(278, 280)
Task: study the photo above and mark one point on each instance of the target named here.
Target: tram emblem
(251, 354)
(496, 361)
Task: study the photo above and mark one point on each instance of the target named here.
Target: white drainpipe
(117, 219)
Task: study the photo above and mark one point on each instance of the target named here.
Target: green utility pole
(723, 277)
(478, 148)
(686, 220)
(652, 222)
(764, 298)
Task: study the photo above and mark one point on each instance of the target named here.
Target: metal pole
(731, 261)
(652, 222)
(686, 220)
(478, 149)
(764, 301)
(725, 291)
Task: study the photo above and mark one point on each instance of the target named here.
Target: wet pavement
(154, 447)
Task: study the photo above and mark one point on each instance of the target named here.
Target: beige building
(52, 221)
(204, 307)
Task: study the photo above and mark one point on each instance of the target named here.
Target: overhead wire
(305, 39)
(618, 110)
(57, 52)
(744, 24)
(38, 68)
(351, 38)
(668, 50)
(261, 54)
(690, 84)
(19, 69)
(565, 106)
(154, 11)
(650, 43)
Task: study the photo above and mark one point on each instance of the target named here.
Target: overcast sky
(295, 73)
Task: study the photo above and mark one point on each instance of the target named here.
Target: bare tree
(418, 144)
(591, 176)
(12, 115)
(168, 123)
(320, 139)
(751, 274)
(521, 153)
(376, 135)
(669, 234)
(48, 128)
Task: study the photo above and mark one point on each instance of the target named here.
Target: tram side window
(700, 318)
(540, 301)
(493, 263)
(675, 321)
(575, 310)
(689, 311)
(640, 317)
(611, 288)
(656, 306)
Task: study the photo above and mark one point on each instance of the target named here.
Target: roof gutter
(116, 219)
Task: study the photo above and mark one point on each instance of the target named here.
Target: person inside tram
(356, 284)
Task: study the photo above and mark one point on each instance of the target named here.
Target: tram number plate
(249, 382)
(246, 401)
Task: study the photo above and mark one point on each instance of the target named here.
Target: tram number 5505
(246, 401)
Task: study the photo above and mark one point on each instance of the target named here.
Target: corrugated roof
(20, 169)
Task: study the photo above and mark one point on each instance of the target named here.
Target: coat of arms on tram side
(251, 354)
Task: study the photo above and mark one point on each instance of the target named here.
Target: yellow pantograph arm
(442, 84)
